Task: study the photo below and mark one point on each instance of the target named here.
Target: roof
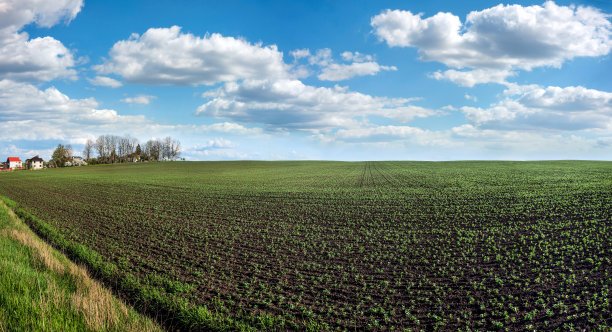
(37, 158)
(13, 159)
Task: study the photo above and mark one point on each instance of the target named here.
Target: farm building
(34, 163)
(133, 157)
(14, 163)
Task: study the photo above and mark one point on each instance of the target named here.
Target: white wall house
(13, 162)
(35, 163)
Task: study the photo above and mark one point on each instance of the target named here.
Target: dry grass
(95, 302)
(41, 251)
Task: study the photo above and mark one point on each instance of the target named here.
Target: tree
(110, 142)
(100, 148)
(174, 148)
(167, 148)
(122, 148)
(153, 149)
(89, 146)
(62, 154)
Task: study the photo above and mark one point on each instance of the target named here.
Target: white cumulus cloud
(38, 59)
(166, 56)
(504, 37)
(292, 105)
(28, 113)
(14, 14)
(532, 107)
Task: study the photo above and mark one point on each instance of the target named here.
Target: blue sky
(344, 80)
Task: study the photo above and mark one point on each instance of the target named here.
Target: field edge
(171, 311)
(42, 289)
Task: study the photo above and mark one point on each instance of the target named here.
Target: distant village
(106, 149)
(36, 162)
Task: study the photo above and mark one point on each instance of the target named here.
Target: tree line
(117, 149)
(108, 149)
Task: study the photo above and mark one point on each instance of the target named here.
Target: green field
(338, 245)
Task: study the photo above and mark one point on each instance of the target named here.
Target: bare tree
(122, 148)
(110, 143)
(167, 148)
(89, 146)
(132, 143)
(152, 150)
(158, 150)
(69, 151)
(176, 150)
(100, 148)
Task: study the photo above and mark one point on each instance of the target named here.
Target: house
(34, 163)
(133, 157)
(14, 163)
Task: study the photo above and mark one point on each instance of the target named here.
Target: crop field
(347, 245)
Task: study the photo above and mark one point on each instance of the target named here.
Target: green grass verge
(153, 297)
(41, 290)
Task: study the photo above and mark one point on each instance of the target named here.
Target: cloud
(340, 72)
(390, 133)
(532, 107)
(166, 56)
(469, 78)
(356, 56)
(322, 57)
(292, 105)
(222, 127)
(470, 97)
(299, 54)
(521, 144)
(15, 151)
(38, 59)
(226, 128)
(14, 14)
(217, 143)
(105, 81)
(140, 99)
(219, 154)
(330, 70)
(504, 37)
(28, 113)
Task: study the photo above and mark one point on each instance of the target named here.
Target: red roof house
(13, 162)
